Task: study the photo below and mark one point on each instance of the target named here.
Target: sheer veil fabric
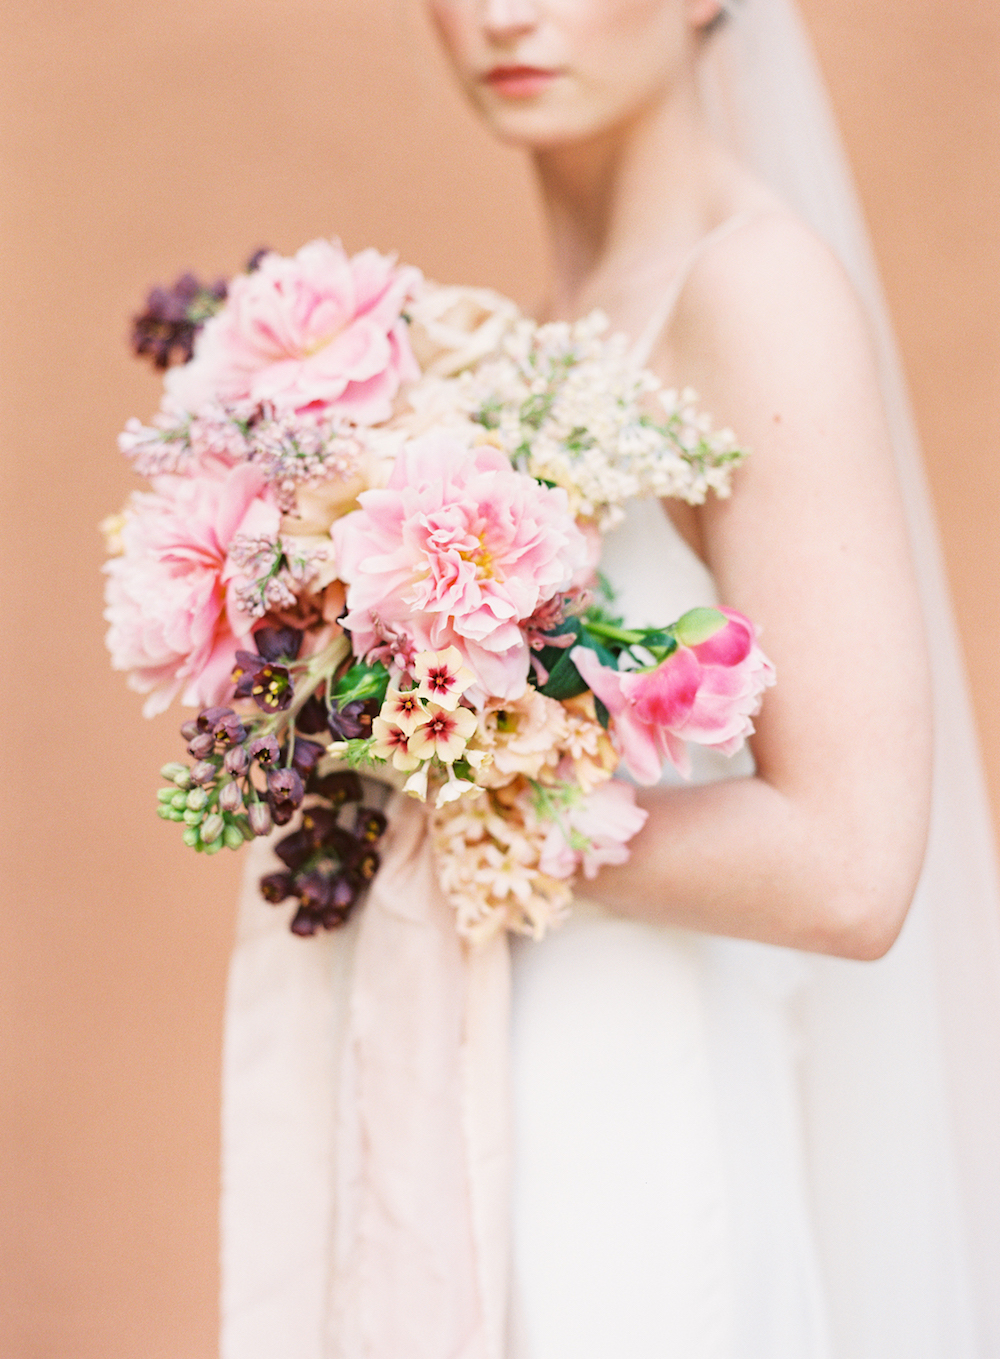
(865, 1227)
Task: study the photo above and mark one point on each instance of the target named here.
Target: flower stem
(627, 636)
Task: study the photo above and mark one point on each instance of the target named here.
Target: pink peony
(317, 330)
(706, 692)
(600, 827)
(457, 551)
(174, 623)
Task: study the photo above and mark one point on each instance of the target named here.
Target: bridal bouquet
(371, 543)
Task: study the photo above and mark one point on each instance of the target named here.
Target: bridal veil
(900, 1059)
(911, 1045)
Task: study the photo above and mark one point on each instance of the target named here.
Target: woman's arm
(822, 847)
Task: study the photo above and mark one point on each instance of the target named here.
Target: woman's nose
(505, 19)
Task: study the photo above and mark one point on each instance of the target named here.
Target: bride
(724, 1144)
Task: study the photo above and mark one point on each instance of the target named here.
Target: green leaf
(564, 681)
(361, 682)
(603, 716)
(697, 625)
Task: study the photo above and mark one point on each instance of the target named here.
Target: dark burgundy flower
(278, 644)
(260, 818)
(285, 785)
(209, 717)
(364, 865)
(204, 772)
(369, 824)
(344, 786)
(349, 721)
(312, 716)
(230, 797)
(313, 890)
(295, 849)
(189, 730)
(166, 330)
(304, 923)
(269, 685)
(229, 730)
(236, 760)
(202, 745)
(265, 750)
(282, 812)
(306, 755)
(319, 823)
(343, 893)
(275, 887)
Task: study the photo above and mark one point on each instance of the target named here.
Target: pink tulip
(704, 692)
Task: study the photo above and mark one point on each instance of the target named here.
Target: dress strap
(654, 327)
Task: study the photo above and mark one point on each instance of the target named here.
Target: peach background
(144, 138)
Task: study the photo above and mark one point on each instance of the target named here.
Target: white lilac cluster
(574, 408)
(292, 449)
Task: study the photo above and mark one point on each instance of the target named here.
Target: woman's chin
(536, 124)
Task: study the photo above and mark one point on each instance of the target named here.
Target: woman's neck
(624, 206)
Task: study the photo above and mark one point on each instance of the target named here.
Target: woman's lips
(519, 82)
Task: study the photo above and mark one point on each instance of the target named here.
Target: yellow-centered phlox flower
(443, 679)
(403, 708)
(391, 743)
(442, 733)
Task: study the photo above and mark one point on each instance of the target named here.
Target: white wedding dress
(673, 1192)
(722, 1150)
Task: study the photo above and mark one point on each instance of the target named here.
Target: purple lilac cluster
(165, 332)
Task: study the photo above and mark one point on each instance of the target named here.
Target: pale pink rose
(174, 622)
(706, 693)
(457, 551)
(318, 330)
(601, 825)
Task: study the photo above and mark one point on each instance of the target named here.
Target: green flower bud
(196, 799)
(192, 817)
(164, 794)
(190, 836)
(697, 625)
(214, 847)
(164, 811)
(171, 771)
(212, 828)
(178, 800)
(233, 837)
(176, 815)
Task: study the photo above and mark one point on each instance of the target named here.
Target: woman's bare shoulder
(772, 279)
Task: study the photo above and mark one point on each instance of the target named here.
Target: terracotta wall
(140, 139)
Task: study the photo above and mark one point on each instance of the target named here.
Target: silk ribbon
(422, 1136)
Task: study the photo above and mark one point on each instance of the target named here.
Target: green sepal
(697, 625)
